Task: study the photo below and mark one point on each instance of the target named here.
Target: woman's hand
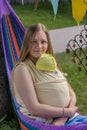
(69, 112)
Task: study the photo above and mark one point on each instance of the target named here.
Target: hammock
(12, 32)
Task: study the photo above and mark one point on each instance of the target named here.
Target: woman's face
(38, 46)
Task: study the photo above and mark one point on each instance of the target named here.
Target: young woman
(43, 96)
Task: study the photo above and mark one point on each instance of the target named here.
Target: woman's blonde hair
(30, 33)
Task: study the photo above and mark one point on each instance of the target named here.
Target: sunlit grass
(77, 79)
(45, 15)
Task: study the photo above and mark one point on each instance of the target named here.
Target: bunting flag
(55, 6)
(79, 8)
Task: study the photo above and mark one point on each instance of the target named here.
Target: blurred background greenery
(45, 15)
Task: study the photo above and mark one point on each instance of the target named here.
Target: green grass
(64, 18)
(77, 79)
(9, 125)
(45, 15)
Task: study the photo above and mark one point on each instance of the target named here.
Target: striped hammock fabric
(12, 32)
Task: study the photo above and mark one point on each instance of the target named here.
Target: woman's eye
(34, 42)
(43, 42)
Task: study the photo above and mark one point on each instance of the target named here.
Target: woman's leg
(35, 4)
(59, 121)
(77, 120)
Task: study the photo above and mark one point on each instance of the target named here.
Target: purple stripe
(16, 17)
(3, 9)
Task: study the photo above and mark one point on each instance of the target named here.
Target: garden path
(61, 37)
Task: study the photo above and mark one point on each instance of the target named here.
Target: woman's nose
(39, 44)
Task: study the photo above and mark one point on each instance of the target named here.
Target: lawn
(64, 18)
(45, 15)
(77, 79)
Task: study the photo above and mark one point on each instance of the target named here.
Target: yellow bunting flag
(79, 8)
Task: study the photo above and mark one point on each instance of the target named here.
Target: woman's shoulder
(20, 67)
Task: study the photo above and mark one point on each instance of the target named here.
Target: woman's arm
(24, 84)
(72, 97)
